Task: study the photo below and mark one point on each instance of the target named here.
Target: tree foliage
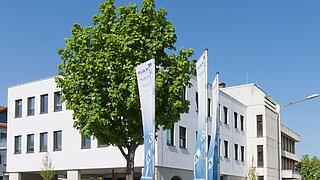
(47, 172)
(97, 74)
(309, 168)
(252, 171)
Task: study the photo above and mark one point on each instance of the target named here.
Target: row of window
(287, 144)
(43, 105)
(182, 137)
(237, 148)
(57, 142)
(235, 119)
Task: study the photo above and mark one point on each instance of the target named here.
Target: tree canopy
(309, 168)
(97, 75)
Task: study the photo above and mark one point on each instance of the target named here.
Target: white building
(38, 125)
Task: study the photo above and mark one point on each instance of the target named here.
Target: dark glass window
(260, 178)
(44, 104)
(43, 142)
(184, 93)
(241, 123)
(17, 144)
(30, 106)
(170, 136)
(226, 149)
(182, 137)
(236, 152)
(3, 139)
(30, 143)
(18, 112)
(57, 102)
(209, 139)
(209, 107)
(260, 155)
(85, 142)
(259, 126)
(235, 120)
(225, 111)
(242, 153)
(197, 101)
(57, 141)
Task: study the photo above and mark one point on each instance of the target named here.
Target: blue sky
(275, 44)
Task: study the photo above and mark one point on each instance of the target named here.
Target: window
(18, 108)
(236, 152)
(102, 144)
(260, 155)
(241, 123)
(235, 120)
(226, 149)
(3, 159)
(225, 111)
(85, 142)
(17, 144)
(57, 138)
(260, 178)
(182, 137)
(3, 117)
(209, 108)
(184, 93)
(44, 104)
(197, 101)
(57, 101)
(220, 151)
(3, 139)
(30, 143)
(30, 106)
(209, 139)
(43, 142)
(242, 153)
(170, 136)
(259, 126)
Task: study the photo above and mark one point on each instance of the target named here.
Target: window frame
(57, 104)
(182, 139)
(236, 150)
(170, 136)
(84, 140)
(17, 144)
(18, 108)
(56, 137)
(225, 113)
(29, 107)
(226, 149)
(43, 136)
(43, 104)
(259, 125)
(30, 143)
(260, 162)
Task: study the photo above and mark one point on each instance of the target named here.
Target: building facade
(3, 141)
(249, 128)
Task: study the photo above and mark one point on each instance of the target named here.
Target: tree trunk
(130, 160)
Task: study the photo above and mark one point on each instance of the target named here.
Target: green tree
(47, 172)
(309, 168)
(98, 79)
(252, 171)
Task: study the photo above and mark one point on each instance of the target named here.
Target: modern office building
(3, 141)
(249, 127)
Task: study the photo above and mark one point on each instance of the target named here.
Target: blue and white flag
(213, 148)
(146, 83)
(199, 164)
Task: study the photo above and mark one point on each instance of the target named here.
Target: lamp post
(279, 128)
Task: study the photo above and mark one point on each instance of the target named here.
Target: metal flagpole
(218, 128)
(206, 106)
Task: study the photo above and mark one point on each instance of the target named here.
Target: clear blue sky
(275, 44)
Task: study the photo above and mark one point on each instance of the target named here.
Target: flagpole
(206, 106)
(218, 128)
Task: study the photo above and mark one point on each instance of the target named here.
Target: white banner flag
(199, 164)
(146, 83)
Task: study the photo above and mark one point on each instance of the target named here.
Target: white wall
(71, 156)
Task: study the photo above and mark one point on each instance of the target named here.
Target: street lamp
(279, 126)
(309, 97)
